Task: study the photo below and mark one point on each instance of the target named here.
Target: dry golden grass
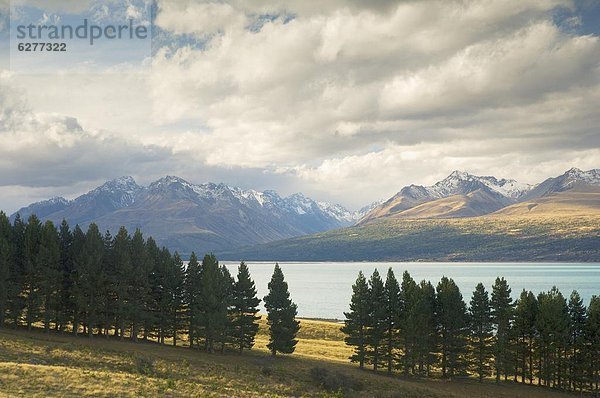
(33, 364)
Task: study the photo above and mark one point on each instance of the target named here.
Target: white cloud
(349, 100)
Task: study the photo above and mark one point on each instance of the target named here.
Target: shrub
(334, 381)
(144, 365)
(266, 371)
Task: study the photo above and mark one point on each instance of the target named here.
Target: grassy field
(33, 364)
(488, 238)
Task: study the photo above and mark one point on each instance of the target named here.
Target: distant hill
(580, 201)
(186, 217)
(488, 238)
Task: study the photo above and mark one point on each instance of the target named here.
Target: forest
(418, 329)
(127, 287)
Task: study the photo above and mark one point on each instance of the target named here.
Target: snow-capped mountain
(463, 183)
(110, 196)
(465, 195)
(297, 204)
(571, 179)
(44, 208)
(201, 217)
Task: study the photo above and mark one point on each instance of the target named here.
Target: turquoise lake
(323, 289)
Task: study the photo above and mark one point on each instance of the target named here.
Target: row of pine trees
(127, 287)
(417, 329)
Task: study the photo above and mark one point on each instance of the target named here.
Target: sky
(345, 101)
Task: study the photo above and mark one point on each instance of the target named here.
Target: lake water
(323, 290)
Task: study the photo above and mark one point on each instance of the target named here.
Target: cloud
(345, 100)
(42, 150)
(336, 81)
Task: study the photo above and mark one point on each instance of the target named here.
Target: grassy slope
(489, 238)
(38, 365)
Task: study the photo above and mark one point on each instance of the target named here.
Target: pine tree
(91, 277)
(164, 275)
(245, 307)
(425, 323)
(77, 248)
(392, 318)
(281, 317)
(408, 315)
(31, 271)
(5, 259)
(154, 285)
(66, 304)
(176, 294)
(577, 317)
(139, 287)
(16, 300)
(524, 329)
(592, 341)
(480, 312)
(226, 296)
(552, 324)
(122, 274)
(377, 321)
(502, 313)
(192, 298)
(213, 311)
(453, 323)
(107, 296)
(357, 320)
(50, 273)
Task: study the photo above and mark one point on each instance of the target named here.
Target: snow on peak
(453, 184)
(577, 175)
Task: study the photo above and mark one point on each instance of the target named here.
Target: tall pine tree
(357, 320)
(50, 273)
(213, 311)
(377, 321)
(91, 277)
(425, 323)
(453, 323)
(502, 313)
(592, 340)
(392, 318)
(281, 315)
(31, 271)
(5, 260)
(525, 332)
(192, 298)
(66, 304)
(122, 274)
(245, 307)
(577, 318)
(408, 324)
(139, 284)
(480, 312)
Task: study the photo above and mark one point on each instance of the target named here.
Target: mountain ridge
(466, 195)
(202, 217)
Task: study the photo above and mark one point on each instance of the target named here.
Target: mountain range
(217, 217)
(185, 217)
(465, 195)
(462, 218)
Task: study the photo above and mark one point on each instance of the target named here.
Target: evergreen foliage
(281, 315)
(357, 320)
(539, 339)
(245, 308)
(480, 316)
